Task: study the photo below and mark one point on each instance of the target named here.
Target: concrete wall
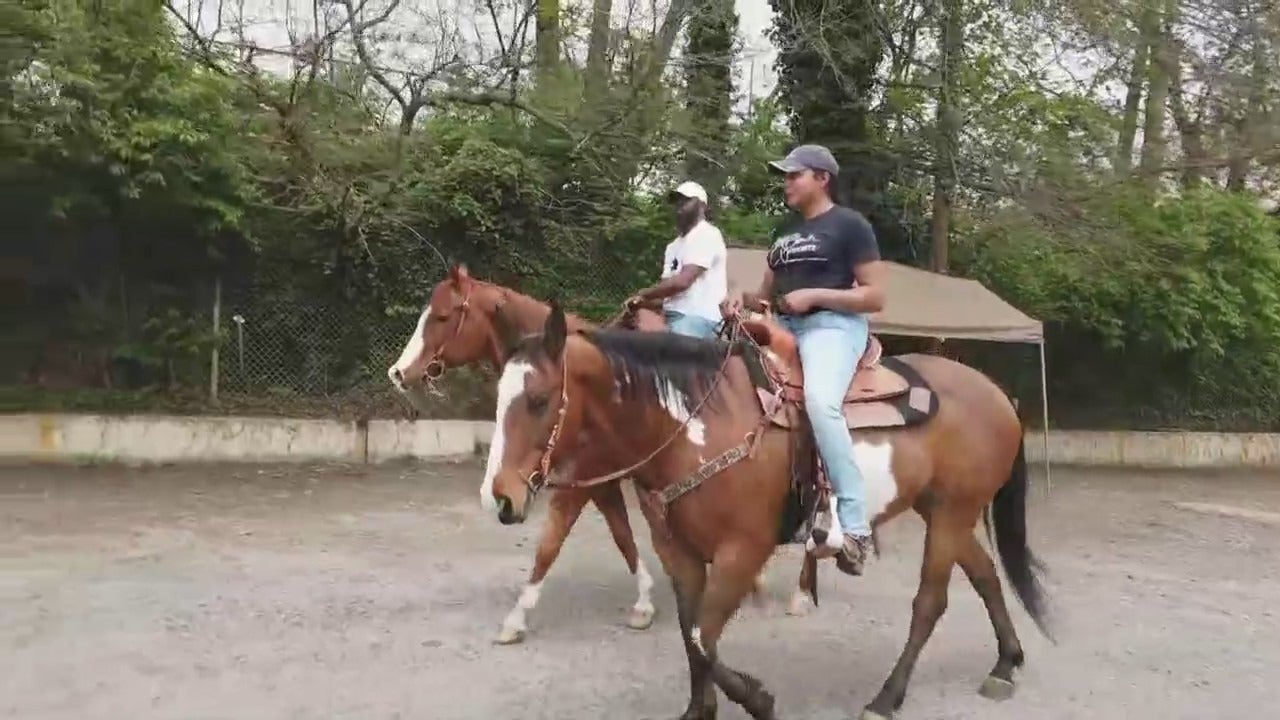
(166, 438)
(171, 438)
(1158, 449)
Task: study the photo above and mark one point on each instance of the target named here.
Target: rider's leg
(830, 346)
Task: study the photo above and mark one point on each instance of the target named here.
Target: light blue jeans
(830, 344)
(691, 325)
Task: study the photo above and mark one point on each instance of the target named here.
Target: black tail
(1009, 515)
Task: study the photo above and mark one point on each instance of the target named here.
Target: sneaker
(853, 554)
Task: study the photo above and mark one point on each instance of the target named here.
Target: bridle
(436, 367)
(539, 477)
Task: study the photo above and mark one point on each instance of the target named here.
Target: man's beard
(687, 217)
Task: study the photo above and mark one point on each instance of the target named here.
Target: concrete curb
(75, 438)
(41, 437)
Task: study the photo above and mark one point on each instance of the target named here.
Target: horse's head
(542, 394)
(454, 329)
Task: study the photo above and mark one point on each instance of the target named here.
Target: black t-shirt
(823, 251)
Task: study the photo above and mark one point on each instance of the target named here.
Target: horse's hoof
(994, 688)
(800, 604)
(639, 619)
(509, 636)
(706, 713)
(871, 715)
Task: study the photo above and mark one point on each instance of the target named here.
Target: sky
(269, 23)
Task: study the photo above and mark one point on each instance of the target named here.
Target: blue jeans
(691, 325)
(831, 344)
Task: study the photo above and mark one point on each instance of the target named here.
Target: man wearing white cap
(694, 281)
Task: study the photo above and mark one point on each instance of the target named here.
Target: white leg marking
(800, 603)
(513, 627)
(641, 616)
(695, 637)
(412, 349)
(875, 460)
(510, 386)
(835, 538)
(672, 401)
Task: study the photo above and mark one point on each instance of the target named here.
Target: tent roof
(921, 304)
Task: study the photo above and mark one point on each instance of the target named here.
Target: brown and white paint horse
(459, 328)
(713, 470)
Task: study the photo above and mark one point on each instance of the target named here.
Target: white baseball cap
(691, 189)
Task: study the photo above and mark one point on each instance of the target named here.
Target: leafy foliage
(144, 166)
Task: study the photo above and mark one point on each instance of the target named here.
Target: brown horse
(459, 327)
(712, 462)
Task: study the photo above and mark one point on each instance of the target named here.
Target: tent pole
(1044, 405)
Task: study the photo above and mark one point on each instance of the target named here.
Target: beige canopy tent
(925, 304)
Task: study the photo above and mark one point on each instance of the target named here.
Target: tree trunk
(547, 33)
(1133, 101)
(946, 136)
(708, 63)
(1160, 30)
(1190, 128)
(596, 82)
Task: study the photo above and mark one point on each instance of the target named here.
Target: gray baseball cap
(807, 157)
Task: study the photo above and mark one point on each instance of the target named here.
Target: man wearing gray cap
(694, 278)
(826, 275)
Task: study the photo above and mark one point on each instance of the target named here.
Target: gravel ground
(246, 591)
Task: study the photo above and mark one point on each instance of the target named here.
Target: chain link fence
(285, 351)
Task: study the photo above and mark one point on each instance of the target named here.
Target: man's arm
(696, 255)
(673, 285)
(867, 297)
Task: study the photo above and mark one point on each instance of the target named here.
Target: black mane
(650, 364)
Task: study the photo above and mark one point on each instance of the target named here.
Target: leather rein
(540, 476)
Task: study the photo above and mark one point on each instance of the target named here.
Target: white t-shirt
(703, 246)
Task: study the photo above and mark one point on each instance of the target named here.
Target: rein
(540, 477)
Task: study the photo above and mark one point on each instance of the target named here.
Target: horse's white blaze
(412, 350)
(672, 400)
(510, 386)
(515, 620)
(644, 586)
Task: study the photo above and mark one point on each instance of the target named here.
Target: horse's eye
(537, 404)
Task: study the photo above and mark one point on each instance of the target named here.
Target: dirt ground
(326, 591)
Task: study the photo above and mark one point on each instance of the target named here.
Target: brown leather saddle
(884, 392)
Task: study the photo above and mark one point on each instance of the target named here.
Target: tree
(709, 55)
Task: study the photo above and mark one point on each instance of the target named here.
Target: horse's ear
(459, 275)
(556, 331)
(508, 338)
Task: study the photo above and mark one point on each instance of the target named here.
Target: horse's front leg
(732, 575)
(563, 508)
(688, 579)
(611, 503)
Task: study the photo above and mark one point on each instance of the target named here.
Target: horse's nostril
(505, 514)
(397, 377)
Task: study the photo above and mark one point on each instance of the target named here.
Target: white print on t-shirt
(703, 246)
(796, 248)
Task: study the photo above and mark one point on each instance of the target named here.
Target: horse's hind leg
(563, 509)
(609, 500)
(982, 575)
(730, 579)
(941, 543)
(805, 594)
